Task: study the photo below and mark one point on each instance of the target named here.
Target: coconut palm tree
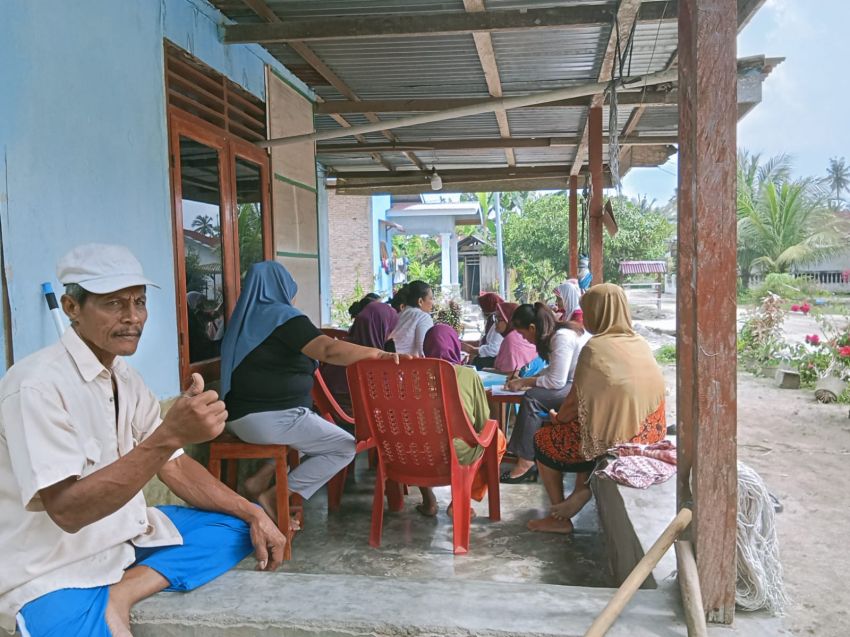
(204, 224)
(787, 224)
(838, 177)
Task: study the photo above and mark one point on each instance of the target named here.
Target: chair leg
(395, 497)
(377, 509)
(296, 501)
(491, 466)
(282, 497)
(214, 466)
(461, 507)
(232, 473)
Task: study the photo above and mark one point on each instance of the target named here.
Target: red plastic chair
(334, 333)
(414, 410)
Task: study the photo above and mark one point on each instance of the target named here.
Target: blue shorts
(213, 543)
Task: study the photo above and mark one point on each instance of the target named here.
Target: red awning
(643, 267)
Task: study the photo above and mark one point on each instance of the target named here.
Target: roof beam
(487, 57)
(621, 26)
(556, 170)
(445, 23)
(484, 143)
(649, 97)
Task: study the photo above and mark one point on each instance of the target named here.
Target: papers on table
(499, 390)
(489, 379)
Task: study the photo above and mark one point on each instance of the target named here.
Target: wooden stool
(228, 447)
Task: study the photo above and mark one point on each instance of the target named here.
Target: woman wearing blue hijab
(268, 357)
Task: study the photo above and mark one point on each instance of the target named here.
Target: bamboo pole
(638, 575)
(486, 106)
(690, 589)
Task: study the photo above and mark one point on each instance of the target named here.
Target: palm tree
(838, 176)
(204, 224)
(787, 224)
(753, 176)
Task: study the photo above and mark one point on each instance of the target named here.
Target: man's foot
(572, 505)
(117, 619)
(551, 525)
(268, 501)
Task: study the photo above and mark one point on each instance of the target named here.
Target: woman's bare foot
(472, 513)
(268, 501)
(428, 508)
(253, 486)
(551, 525)
(117, 618)
(572, 505)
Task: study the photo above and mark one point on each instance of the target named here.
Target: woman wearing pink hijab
(515, 352)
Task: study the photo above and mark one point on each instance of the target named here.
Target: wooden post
(594, 158)
(706, 330)
(573, 226)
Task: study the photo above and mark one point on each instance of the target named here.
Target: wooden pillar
(594, 159)
(573, 226)
(706, 330)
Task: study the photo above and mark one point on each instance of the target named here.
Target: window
(222, 222)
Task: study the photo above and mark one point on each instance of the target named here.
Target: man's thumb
(197, 386)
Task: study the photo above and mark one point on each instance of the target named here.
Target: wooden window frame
(229, 148)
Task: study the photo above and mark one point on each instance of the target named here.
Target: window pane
(249, 203)
(201, 196)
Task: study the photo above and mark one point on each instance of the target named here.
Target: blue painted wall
(83, 135)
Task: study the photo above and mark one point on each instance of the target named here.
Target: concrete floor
(417, 547)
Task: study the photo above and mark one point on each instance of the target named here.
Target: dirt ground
(801, 449)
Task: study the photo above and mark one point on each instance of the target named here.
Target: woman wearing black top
(269, 354)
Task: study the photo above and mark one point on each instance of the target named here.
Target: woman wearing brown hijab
(617, 396)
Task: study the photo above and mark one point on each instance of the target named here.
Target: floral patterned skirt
(558, 446)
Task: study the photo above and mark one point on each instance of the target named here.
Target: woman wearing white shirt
(559, 344)
(415, 319)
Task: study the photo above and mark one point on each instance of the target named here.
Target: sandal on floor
(528, 476)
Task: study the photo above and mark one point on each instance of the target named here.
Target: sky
(804, 99)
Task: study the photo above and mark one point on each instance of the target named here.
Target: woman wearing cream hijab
(617, 396)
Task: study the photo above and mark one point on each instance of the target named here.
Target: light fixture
(436, 180)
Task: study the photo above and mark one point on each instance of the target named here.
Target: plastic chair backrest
(414, 410)
(325, 402)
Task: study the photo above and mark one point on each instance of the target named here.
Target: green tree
(643, 234)
(250, 228)
(838, 176)
(204, 224)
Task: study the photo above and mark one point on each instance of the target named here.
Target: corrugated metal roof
(448, 66)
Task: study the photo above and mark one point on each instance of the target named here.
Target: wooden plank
(594, 153)
(487, 57)
(573, 229)
(706, 307)
(650, 97)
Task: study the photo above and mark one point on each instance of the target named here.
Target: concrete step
(250, 604)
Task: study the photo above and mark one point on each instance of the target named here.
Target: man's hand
(517, 384)
(197, 416)
(268, 542)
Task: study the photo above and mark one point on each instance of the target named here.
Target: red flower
(813, 339)
(795, 308)
(805, 307)
(844, 352)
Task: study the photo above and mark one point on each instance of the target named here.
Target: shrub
(666, 354)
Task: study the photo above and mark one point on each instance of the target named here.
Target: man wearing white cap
(80, 435)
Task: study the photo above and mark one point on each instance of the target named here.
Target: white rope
(759, 579)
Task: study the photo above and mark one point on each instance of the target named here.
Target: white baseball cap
(101, 268)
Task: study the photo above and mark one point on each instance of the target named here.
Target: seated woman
(355, 308)
(617, 396)
(415, 319)
(268, 357)
(515, 353)
(567, 297)
(559, 344)
(442, 342)
(371, 328)
(484, 353)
